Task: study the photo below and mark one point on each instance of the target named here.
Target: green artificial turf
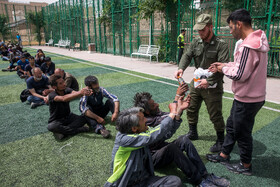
(30, 156)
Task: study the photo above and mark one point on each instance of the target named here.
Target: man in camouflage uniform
(206, 50)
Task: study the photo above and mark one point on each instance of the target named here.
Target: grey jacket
(132, 160)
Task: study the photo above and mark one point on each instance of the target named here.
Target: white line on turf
(163, 82)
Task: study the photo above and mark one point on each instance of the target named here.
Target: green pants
(213, 100)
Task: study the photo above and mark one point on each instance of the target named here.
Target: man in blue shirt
(21, 63)
(38, 86)
(95, 110)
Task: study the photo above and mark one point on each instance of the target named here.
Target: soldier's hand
(178, 73)
(202, 84)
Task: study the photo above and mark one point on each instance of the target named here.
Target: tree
(170, 10)
(37, 20)
(4, 28)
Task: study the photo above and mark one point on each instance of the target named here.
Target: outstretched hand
(184, 103)
(182, 89)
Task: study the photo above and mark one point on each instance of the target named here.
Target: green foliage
(4, 28)
(37, 20)
(233, 5)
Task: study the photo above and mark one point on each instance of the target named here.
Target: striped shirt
(95, 100)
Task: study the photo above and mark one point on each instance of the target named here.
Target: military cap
(202, 21)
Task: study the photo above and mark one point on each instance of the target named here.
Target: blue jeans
(34, 99)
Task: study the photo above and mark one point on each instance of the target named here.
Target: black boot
(192, 134)
(217, 147)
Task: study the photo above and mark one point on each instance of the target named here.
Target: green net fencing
(117, 27)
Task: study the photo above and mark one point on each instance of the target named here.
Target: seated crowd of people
(56, 88)
(143, 130)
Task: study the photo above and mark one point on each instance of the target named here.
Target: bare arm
(72, 95)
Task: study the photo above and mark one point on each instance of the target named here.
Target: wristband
(175, 101)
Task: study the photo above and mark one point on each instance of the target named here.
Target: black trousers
(239, 129)
(191, 163)
(155, 181)
(102, 112)
(181, 51)
(68, 126)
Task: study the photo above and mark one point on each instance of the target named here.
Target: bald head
(59, 71)
(37, 73)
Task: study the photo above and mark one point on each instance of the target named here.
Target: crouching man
(132, 160)
(62, 122)
(93, 108)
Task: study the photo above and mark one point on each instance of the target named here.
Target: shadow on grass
(209, 138)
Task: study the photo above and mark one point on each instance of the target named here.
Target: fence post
(82, 23)
(104, 30)
(70, 21)
(88, 22)
(123, 31)
(130, 32)
(94, 19)
(178, 28)
(166, 35)
(269, 19)
(216, 18)
(26, 21)
(113, 25)
(100, 39)
(138, 27)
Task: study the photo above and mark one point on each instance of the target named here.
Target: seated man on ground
(70, 80)
(164, 153)
(93, 108)
(40, 58)
(48, 67)
(62, 121)
(21, 66)
(38, 86)
(30, 66)
(132, 161)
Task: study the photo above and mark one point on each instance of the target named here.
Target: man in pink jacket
(248, 72)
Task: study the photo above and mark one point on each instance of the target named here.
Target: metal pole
(192, 22)
(88, 22)
(104, 29)
(178, 26)
(82, 24)
(216, 19)
(100, 40)
(123, 31)
(130, 32)
(94, 19)
(113, 25)
(138, 28)
(166, 35)
(27, 31)
(70, 22)
(39, 31)
(269, 19)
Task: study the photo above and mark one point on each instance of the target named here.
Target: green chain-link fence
(113, 25)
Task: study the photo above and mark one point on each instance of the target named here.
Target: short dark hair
(48, 59)
(89, 80)
(183, 30)
(240, 15)
(142, 100)
(127, 119)
(53, 79)
(31, 58)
